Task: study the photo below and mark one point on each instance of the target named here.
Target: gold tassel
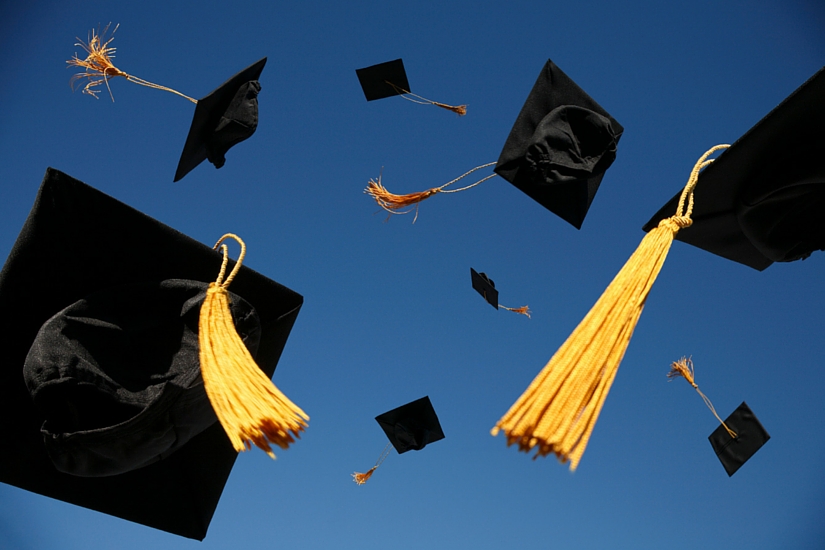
(460, 110)
(248, 405)
(360, 479)
(393, 203)
(684, 368)
(99, 67)
(557, 412)
(523, 310)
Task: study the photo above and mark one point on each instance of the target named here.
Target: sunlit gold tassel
(99, 67)
(684, 368)
(393, 203)
(460, 110)
(557, 412)
(248, 405)
(360, 479)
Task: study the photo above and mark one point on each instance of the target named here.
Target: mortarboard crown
(560, 146)
(61, 296)
(733, 452)
(487, 288)
(762, 200)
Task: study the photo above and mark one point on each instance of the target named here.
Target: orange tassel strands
(360, 479)
(684, 368)
(99, 68)
(248, 405)
(394, 204)
(557, 412)
(523, 310)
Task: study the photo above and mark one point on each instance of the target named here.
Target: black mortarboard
(377, 80)
(762, 200)
(484, 286)
(224, 118)
(560, 146)
(750, 436)
(411, 427)
(77, 249)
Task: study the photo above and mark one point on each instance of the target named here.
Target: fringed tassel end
(460, 110)
(523, 310)
(393, 203)
(360, 479)
(251, 409)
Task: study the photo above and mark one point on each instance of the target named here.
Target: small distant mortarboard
(557, 152)
(222, 119)
(390, 79)
(560, 146)
(410, 427)
(762, 200)
(738, 437)
(103, 397)
(487, 288)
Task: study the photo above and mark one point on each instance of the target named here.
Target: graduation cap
(390, 79)
(557, 151)
(410, 427)
(222, 119)
(738, 437)
(762, 200)
(87, 278)
(487, 288)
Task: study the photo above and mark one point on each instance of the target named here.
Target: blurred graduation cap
(222, 119)
(104, 424)
(487, 288)
(762, 200)
(738, 437)
(390, 79)
(410, 427)
(557, 152)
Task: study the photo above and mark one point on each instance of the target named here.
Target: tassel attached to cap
(684, 368)
(460, 110)
(99, 67)
(557, 412)
(360, 479)
(394, 204)
(248, 405)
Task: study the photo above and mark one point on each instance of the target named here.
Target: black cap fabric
(411, 427)
(224, 118)
(560, 146)
(750, 436)
(762, 200)
(375, 78)
(484, 286)
(77, 252)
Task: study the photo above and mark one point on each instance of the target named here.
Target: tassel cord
(684, 368)
(460, 110)
(361, 478)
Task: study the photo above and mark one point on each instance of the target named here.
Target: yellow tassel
(684, 368)
(248, 405)
(557, 412)
(360, 479)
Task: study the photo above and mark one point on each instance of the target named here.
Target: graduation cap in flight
(487, 288)
(410, 427)
(762, 200)
(390, 79)
(738, 437)
(101, 401)
(222, 119)
(557, 151)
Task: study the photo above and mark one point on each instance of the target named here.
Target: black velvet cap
(762, 200)
(374, 79)
(750, 436)
(484, 286)
(560, 146)
(411, 427)
(80, 261)
(224, 118)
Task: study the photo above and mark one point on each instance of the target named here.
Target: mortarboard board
(484, 286)
(75, 247)
(222, 119)
(410, 427)
(733, 452)
(390, 79)
(761, 201)
(560, 146)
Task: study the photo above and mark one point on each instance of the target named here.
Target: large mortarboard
(762, 200)
(733, 452)
(411, 427)
(560, 146)
(75, 248)
(222, 119)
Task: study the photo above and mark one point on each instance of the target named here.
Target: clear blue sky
(389, 313)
